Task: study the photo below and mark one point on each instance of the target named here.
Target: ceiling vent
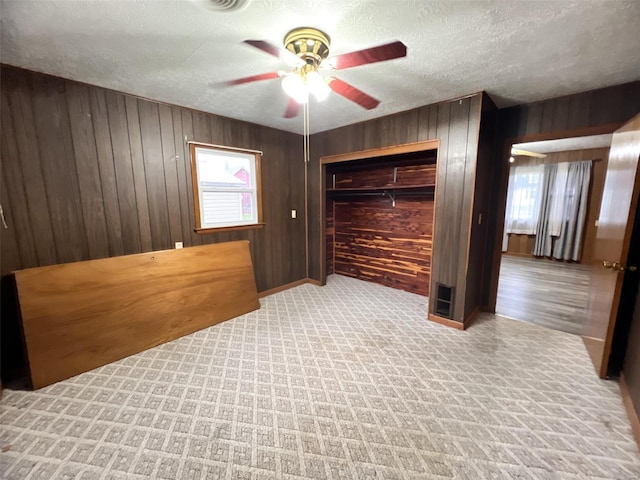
(224, 5)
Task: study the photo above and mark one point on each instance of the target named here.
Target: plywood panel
(82, 315)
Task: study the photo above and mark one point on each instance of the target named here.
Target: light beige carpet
(347, 381)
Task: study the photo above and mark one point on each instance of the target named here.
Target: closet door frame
(363, 155)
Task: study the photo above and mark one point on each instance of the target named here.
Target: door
(615, 224)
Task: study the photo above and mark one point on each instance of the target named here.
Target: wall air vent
(444, 300)
(223, 5)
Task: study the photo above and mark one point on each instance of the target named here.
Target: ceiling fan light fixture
(294, 86)
(309, 44)
(317, 86)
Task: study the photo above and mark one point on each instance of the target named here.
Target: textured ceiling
(567, 144)
(176, 50)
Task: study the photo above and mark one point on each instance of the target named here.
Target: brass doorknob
(621, 268)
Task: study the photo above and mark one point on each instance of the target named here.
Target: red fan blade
(388, 51)
(285, 55)
(293, 108)
(352, 93)
(267, 47)
(253, 78)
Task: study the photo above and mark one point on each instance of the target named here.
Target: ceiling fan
(306, 51)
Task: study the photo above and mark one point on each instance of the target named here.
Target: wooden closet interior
(380, 217)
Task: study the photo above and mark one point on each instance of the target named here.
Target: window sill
(202, 231)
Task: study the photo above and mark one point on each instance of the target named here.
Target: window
(523, 199)
(226, 187)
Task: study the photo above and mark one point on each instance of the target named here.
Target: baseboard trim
(519, 254)
(446, 321)
(287, 286)
(472, 318)
(454, 324)
(631, 411)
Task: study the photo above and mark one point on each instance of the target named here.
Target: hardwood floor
(544, 292)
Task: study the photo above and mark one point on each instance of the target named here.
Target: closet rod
(379, 194)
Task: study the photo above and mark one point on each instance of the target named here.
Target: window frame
(257, 156)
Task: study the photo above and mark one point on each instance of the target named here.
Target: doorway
(550, 227)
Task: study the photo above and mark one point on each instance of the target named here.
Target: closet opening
(378, 215)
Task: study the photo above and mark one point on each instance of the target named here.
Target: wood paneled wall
(89, 173)
(523, 244)
(605, 106)
(585, 113)
(456, 124)
(378, 242)
(481, 221)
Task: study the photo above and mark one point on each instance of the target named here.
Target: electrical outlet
(294, 214)
(178, 244)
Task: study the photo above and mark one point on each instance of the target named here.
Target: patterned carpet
(348, 381)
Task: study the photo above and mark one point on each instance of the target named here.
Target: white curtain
(568, 246)
(523, 199)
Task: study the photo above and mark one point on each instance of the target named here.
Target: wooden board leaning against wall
(79, 316)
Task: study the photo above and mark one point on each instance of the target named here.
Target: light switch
(596, 223)
(294, 214)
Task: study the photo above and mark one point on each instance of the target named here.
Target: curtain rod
(225, 147)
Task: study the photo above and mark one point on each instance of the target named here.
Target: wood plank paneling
(481, 217)
(154, 174)
(92, 173)
(170, 159)
(14, 189)
(56, 162)
(108, 181)
(187, 134)
(82, 315)
(27, 161)
(330, 235)
(139, 180)
(87, 170)
(378, 242)
(125, 184)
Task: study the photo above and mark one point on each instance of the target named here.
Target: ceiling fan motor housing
(310, 44)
